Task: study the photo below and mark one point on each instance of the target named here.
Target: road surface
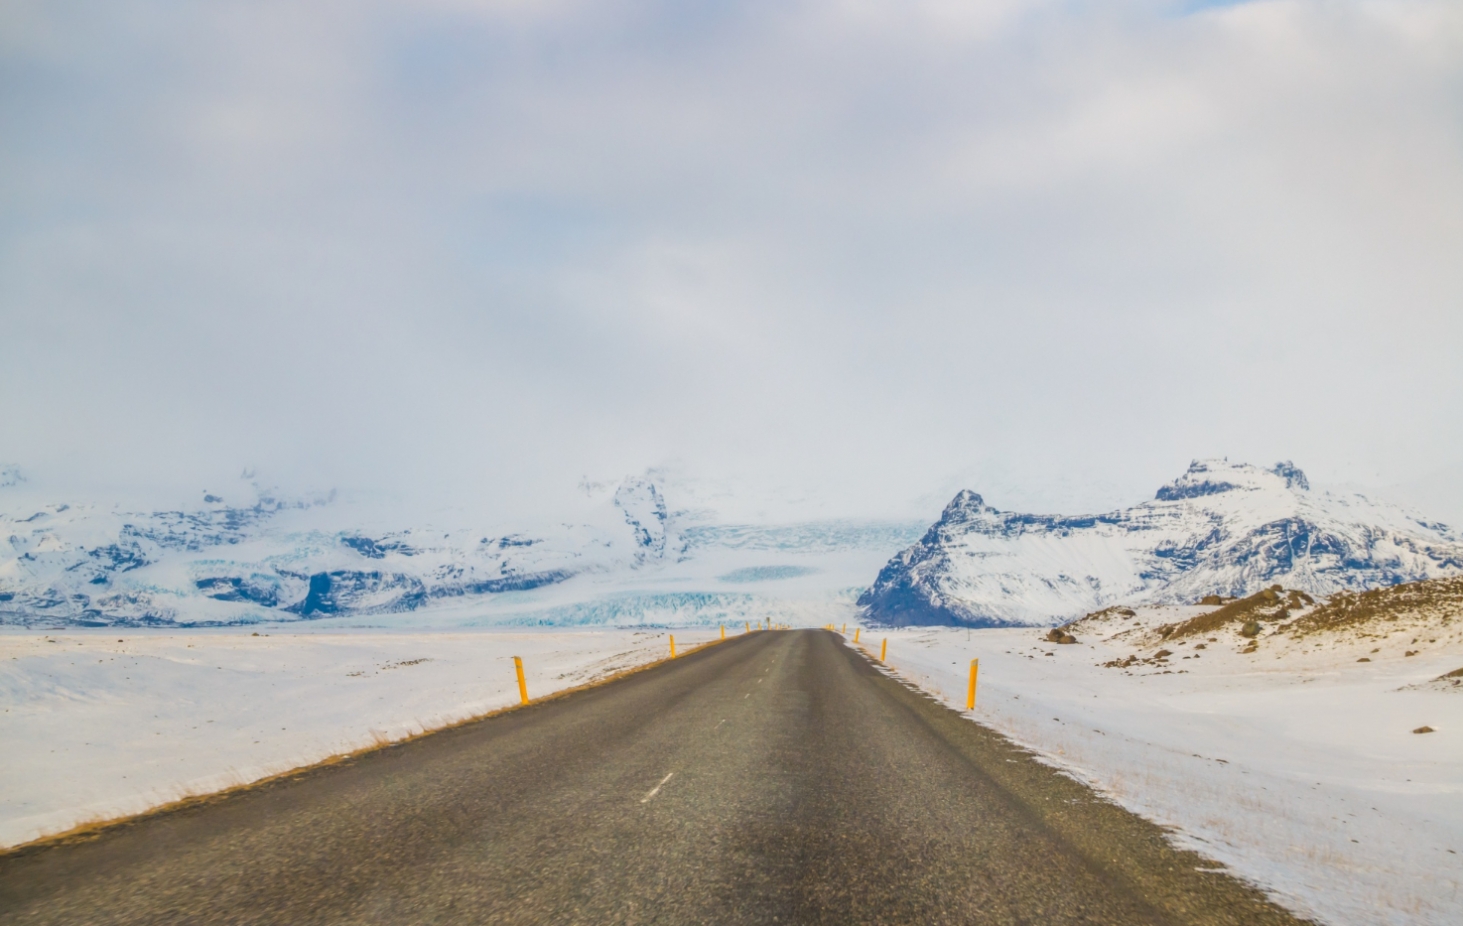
(775, 778)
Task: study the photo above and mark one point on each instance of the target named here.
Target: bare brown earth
(1273, 604)
(1411, 619)
(1438, 599)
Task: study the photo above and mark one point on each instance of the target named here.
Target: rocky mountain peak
(1215, 477)
(645, 511)
(965, 506)
(1220, 528)
(1294, 478)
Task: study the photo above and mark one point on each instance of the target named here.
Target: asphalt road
(775, 778)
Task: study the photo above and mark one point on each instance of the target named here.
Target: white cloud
(478, 250)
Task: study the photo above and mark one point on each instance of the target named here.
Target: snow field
(101, 724)
(1295, 767)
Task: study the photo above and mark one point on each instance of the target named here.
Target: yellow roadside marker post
(723, 631)
(856, 633)
(970, 698)
(522, 685)
(884, 650)
(844, 631)
(673, 646)
(749, 626)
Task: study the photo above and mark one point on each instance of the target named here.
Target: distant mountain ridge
(626, 556)
(1220, 528)
(80, 564)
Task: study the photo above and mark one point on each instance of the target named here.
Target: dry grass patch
(1273, 604)
(1432, 598)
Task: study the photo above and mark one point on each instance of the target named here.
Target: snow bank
(102, 724)
(1295, 766)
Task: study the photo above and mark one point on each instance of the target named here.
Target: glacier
(627, 556)
(1221, 528)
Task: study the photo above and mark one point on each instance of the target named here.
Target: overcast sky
(861, 253)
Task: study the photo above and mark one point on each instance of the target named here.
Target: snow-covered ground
(101, 724)
(1295, 766)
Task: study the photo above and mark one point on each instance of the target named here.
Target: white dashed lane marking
(656, 790)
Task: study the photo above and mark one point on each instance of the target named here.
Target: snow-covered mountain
(625, 556)
(1220, 528)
